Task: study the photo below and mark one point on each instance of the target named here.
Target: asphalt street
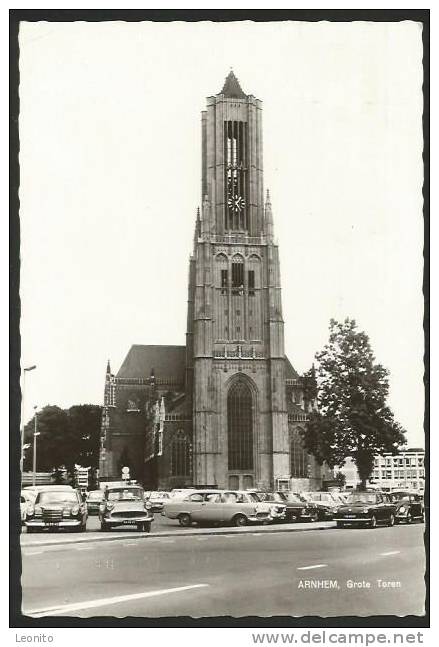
(336, 572)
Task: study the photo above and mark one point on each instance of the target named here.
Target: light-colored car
(123, 506)
(93, 501)
(157, 500)
(55, 508)
(221, 507)
(325, 503)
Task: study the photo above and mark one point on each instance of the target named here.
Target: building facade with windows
(225, 409)
(403, 470)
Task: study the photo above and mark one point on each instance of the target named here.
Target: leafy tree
(67, 437)
(352, 417)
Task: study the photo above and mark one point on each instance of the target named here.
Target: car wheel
(373, 522)
(29, 529)
(422, 518)
(392, 520)
(104, 526)
(240, 520)
(185, 520)
(314, 517)
(340, 524)
(320, 515)
(409, 518)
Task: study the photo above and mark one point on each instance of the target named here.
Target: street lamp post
(36, 433)
(24, 371)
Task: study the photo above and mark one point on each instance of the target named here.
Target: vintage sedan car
(122, 506)
(56, 508)
(366, 509)
(93, 501)
(325, 503)
(220, 507)
(157, 499)
(294, 510)
(409, 506)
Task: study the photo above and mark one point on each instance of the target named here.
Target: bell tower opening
(235, 181)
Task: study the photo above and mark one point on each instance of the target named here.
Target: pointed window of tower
(237, 278)
(224, 281)
(240, 427)
(251, 283)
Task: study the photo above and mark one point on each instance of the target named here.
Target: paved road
(254, 573)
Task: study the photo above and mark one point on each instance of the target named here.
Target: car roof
(50, 488)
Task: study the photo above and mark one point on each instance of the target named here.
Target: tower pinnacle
(231, 87)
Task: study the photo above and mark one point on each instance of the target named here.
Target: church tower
(235, 359)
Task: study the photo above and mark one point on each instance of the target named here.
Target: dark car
(56, 508)
(93, 501)
(123, 506)
(409, 506)
(296, 510)
(366, 509)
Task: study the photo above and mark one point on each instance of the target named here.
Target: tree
(67, 437)
(352, 417)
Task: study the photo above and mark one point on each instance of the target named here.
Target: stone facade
(226, 409)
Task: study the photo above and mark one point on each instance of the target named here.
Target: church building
(226, 409)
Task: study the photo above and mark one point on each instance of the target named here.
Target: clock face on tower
(236, 202)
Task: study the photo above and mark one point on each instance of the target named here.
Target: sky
(110, 158)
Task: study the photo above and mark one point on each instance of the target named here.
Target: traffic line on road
(103, 602)
(83, 547)
(391, 552)
(308, 568)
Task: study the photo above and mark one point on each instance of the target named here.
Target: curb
(175, 533)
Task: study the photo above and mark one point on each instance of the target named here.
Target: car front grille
(128, 514)
(52, 515)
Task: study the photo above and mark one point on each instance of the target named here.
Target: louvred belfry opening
(235, 182)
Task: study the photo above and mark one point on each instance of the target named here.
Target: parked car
(93, 501)
(294, 510)
(157, 499)
(278, 508)
(56, 508)
(123, 506)
(409, 506)
(27, 497)
(366, 508)
(220, 507)
(325, 503)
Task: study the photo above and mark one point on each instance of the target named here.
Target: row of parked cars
(128, 504)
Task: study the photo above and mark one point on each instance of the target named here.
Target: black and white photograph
(221, 287)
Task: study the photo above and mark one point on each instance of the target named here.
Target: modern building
(225, 409)
(402, 470)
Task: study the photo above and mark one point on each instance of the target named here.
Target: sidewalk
(65, 538)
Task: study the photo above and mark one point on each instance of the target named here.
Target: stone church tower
(235, 337)
(225, 410)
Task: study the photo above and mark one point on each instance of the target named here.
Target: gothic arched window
(298, 456)
(180, 455)
(240, 427)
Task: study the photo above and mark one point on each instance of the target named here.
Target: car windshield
(399, 496)
(95, 496)
(362, 497)
(57, 497)
(125, 494)
(159, 495)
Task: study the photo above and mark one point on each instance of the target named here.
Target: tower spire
(231, 87)
(108, 368)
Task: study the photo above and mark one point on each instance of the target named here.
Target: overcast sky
(110, 156)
